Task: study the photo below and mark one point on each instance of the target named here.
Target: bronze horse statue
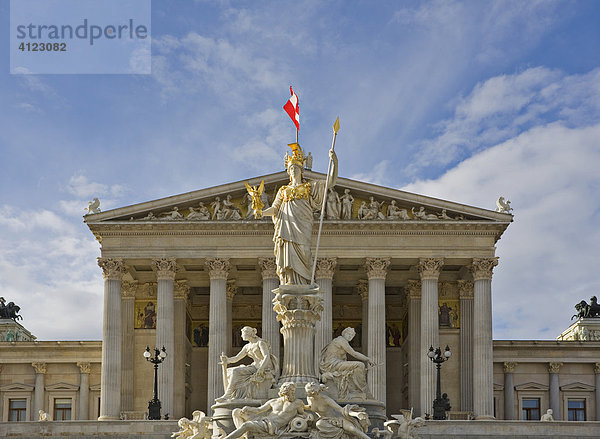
(10, 311)
(586, 311)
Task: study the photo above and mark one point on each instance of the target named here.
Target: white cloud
(503, 106)
(548, 255)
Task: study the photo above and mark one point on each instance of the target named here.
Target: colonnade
(476, 337)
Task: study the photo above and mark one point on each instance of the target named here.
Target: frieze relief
(341, 204)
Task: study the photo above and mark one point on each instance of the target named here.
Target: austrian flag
(291, 107)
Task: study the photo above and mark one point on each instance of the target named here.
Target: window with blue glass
(576, 409)
(531, 409)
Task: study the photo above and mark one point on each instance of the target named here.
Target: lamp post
(441, 403)
(154, 403)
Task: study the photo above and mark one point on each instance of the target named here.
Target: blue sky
(464, 101)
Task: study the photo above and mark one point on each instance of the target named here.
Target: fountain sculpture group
(257, 401)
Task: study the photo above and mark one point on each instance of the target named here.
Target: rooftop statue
(10, 310)
(348, 377)
(586, 311)
(292, 213)
(254, 380)
(93, 206)
(503, 206)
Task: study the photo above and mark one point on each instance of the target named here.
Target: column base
(485, 418)
(108, 418)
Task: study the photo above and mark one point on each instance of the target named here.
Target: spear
(336, 128)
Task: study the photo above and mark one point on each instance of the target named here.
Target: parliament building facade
(406, 271)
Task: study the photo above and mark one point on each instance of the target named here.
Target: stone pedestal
(298, 308)
(582, 330)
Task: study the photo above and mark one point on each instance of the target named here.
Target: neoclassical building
(407, 271)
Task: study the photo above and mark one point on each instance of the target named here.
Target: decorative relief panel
(449, 313)
(145, 314)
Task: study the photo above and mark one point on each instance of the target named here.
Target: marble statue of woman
(292, 213)
(254, 380)
(347, 200)
(333, 205)
(348, 377)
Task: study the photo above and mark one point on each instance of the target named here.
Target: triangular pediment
(16, 387)
(394, 205)
(532, 386)
(577, 387)
(62, 387)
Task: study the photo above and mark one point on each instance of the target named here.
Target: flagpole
(336, 127)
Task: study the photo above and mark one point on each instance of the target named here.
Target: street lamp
(441, 403)
(154, 403)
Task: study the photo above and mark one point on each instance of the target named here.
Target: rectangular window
(576, 409)
(531, 409)
(62, 409)
(17, 409)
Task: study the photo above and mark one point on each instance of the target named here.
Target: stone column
(465, 290)
(84, 390)
(270, 325)
(38, 393)
(597, 379)
(429, 270)
(413, 292)
(324, 327)
(218, 270)
(483, 388)
(509, 390)
(553, 370)
(181, 292)
(376, 269)
(128, 290)
(363, 292)
(112, 339)
(166, 269)
(230, 294)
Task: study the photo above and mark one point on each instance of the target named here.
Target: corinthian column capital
(166, 268)
(430, 268)
(509, 366)
(377, 267)
(482, 267)
(39, 367)
(597, 368)
(413, 289)
(554, 367)
(268, 268)
(181, 290)
(128, 289)
(112, 268)
(325, 268)
(231, 289)
(363, 289)
(84, 367)
(218, 268)
(465, 289)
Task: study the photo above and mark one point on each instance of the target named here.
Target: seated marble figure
(271, 419)
(254, 380)
(345, 379)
